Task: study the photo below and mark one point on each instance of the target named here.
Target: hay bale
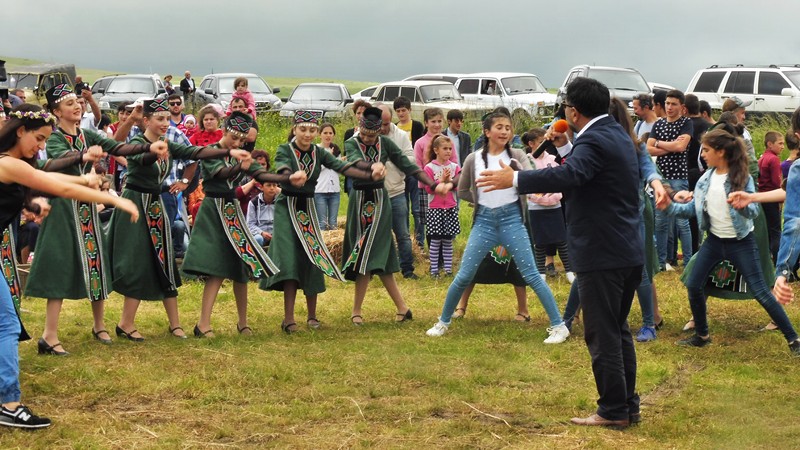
(334, 240)
(23, 270)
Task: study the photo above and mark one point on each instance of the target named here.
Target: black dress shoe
(202, 334)
(96, 334)
(128, 334)
(47, 349)
(634, 418)
(694, 341)
(405, 316)
(597, 421)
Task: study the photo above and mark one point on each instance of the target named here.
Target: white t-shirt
(721, 224)
(500, 197)
(328, 181)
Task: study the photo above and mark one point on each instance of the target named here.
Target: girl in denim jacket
(729, 233)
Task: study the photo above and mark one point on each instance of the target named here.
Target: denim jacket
(789, 250)
(742, 218)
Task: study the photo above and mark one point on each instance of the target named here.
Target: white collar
(590, 123)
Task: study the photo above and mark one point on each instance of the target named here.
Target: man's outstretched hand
(496, 179)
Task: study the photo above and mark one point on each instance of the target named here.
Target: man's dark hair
(401, 102)
(590, 97)
(360, 103)
(645, 100)
(175, 97)
(455, 114)
(676, 94)
(704, 107)
(659, 97)
(692, 104)
(123, 105)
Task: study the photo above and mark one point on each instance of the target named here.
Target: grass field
(488, 383)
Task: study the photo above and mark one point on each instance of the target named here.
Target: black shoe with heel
(47, 349)
(202, 334)
(128, 335)
(404, 317)
(96, 334)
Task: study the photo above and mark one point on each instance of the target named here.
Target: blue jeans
(412, 195)
(327, 209)
(400, 228)
(502, 226)
(9, 347)
(744, 256)
(664, 222)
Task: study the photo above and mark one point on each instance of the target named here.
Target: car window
(311, 93)
(204, 84)
(368, 92)
(48, 81)
(793, 76)
(489, 87)
(468, 86)
(390, 93)
(771, 83)
(21, 80)
(439, 92)
(572, 76)
(131, 86)
(254, 84)
(625, 80)
(740, 82)
(709, 81)
(523, 85)
(409, 92)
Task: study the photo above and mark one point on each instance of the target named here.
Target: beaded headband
(238, 123)
(307, 117)
(34, 115)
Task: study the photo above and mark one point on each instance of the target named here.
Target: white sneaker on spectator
(438, 329)
(544, 277)
(558, 334)
(571, 277)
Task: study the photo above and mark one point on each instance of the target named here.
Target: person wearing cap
(70, 257)
(142, 256)
(297, 246)
(222, 246)
(368, 246)
(737, 106)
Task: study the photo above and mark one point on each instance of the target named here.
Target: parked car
(110, 91)
(771, 89)
(449, 77)
(521, 93)
(660, 86)
(426, 94)
(623, 83)
(364, 94)
(218, 88)
(36, 80)
(330, 98)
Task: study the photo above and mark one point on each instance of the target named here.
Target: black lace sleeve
(59, 164)
(262, 176)
(129, 149)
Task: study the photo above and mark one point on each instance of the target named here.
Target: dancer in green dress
(142, 259)
(297, 246)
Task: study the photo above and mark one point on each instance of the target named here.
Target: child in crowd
(190, 126)
(498, 219)
(209, 132)
(729, 233)
(770, 178)
(434, 123)
(241, 91)
(442, 215)
(327, 193)
(261, 213)
(793, 144)
(546, 218)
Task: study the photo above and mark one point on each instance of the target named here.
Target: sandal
(522, 318)
(128, 334)
(203, 334)
(660, 324)
(458, 315)
(404, 316)
(96, 334)
(313, 323)
(689, 325)
(358, 322)
(287, 327)
(245, 330)
(179, 336)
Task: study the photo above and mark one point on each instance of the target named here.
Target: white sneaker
(544, 277)
(669, 267)
(558, 334)
(438, 329)
(571, 277)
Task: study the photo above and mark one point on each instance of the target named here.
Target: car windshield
(21, 81)
(254, 84)
(620, 79)
(793, 76)
(522, 85)
(131, 86)
(439, 93)
(311, 93)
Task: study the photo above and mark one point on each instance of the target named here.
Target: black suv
(112, 90)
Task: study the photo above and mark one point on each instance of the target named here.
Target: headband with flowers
(34, 115)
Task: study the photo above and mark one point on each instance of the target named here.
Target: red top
(203, 138)
(769, 172)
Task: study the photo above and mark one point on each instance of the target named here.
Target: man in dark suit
(187, 87)
(462, 142)
(600, 180)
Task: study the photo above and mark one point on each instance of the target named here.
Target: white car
(330, 98)
(449, 77)
(426, 94)
(771, 89)
(521, 93)
(364, 94)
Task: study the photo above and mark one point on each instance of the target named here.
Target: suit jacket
(464, 146)
(186, 86)
(600, 180)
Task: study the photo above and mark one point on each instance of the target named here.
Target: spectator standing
(327, 193)
(793, 144)
(240, 90)
(694, 162)
(770, 178)
(462, 142)
(209, 132)
(415, 130)
(168, 85)
(176, 115)
(643, 109)
(239, 104)
(261, 213)
(187, 88)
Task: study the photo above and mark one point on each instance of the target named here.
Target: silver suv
(771, 89)
(623, 83)
(110, 91)
(218, 88)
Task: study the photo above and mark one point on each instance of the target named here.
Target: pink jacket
(421, 152)
(437, 171)
(248, 98)
(542, 162)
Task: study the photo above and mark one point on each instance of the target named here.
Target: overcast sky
(379, 40)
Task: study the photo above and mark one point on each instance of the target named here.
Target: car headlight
(105, 105)
(334, 114)
(277, 104)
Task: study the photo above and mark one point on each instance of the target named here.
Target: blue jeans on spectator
(327, 209)
(400, 228)
(412, 196)
(493, 226)
(663, 223)
(9, 348)
(744, 256)
(259, 239)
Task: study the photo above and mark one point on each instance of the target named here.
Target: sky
(379, 40)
